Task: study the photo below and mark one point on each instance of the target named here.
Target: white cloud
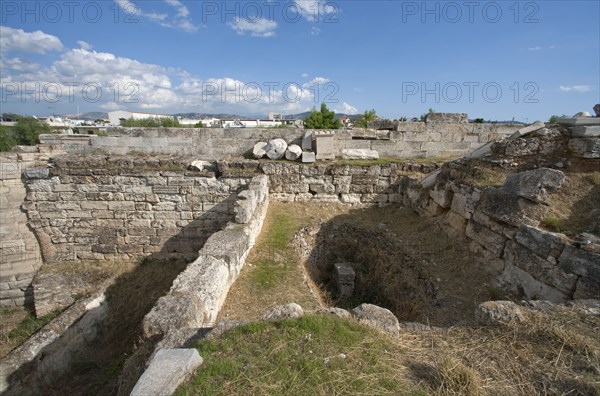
(19, 40)
(576, 88)
(181, 20)
(83, 45)
(315, 81)
(315, 31)
(345, 108)
(130, 84)
(304, 75)
(316, 10)
(539, 48)
(260, 27)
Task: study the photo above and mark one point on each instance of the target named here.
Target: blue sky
(497, 60)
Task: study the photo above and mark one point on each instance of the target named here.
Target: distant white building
(251, 123)
(206, 122)
(115, 117)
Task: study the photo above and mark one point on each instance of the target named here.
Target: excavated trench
(384, 273)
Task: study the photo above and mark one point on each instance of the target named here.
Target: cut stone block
(344, 276)
(166, 372)
(308, 157)
(325, 148)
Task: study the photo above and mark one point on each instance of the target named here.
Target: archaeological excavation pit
(352, 264)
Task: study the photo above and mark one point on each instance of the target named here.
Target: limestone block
(359, 154)
(520, 282)
(173, 311)
(544, 244)
(502, 206)
(344, 275)
(293, 152)
(498, 312)
(380, 318)
(539, 268)
(486, 259)
(526, 131)
(288, 311)
(167, 371)
(308, 157)
(487, 238)
(581, 262)
(441, 196)
(585, 131)
(307, 141)
(534, 185)
(585, 147)
(324, 145)
(459, 118)
(259, 151)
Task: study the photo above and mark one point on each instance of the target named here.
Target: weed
(594, 178)
(554, 224)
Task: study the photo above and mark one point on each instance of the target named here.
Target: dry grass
(576, 208)
(546, 355)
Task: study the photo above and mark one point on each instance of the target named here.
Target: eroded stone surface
(258, 151)
(498, 312)
(276, 149)
(293, 152)
(380, 318)
(287, 311)
(168, 369)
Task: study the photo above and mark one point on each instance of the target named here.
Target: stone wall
(117, 208)
(349, 184)
(198, 293)
(410, 140)
(19, 250)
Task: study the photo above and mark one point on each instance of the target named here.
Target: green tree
(28, 130)
(8, 139)
(554, 119)
(324, 119)
(166, 122)
(363, 120)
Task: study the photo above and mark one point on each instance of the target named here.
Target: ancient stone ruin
(195, 194)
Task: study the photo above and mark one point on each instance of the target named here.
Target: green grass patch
(554, 224)
(312, 355)
(29, 326)
(276, 260)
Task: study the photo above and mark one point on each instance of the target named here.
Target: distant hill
(91, 115)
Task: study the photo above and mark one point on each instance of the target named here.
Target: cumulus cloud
(346, 108)
(110, 81)
(304, 75)
(20, 40)
(260, 27)
(315, 31)
(180, 20)
(576, 88)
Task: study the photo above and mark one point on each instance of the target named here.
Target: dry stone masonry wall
(407, 140)
(100, 208)
(198, 293)
(20, 254)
